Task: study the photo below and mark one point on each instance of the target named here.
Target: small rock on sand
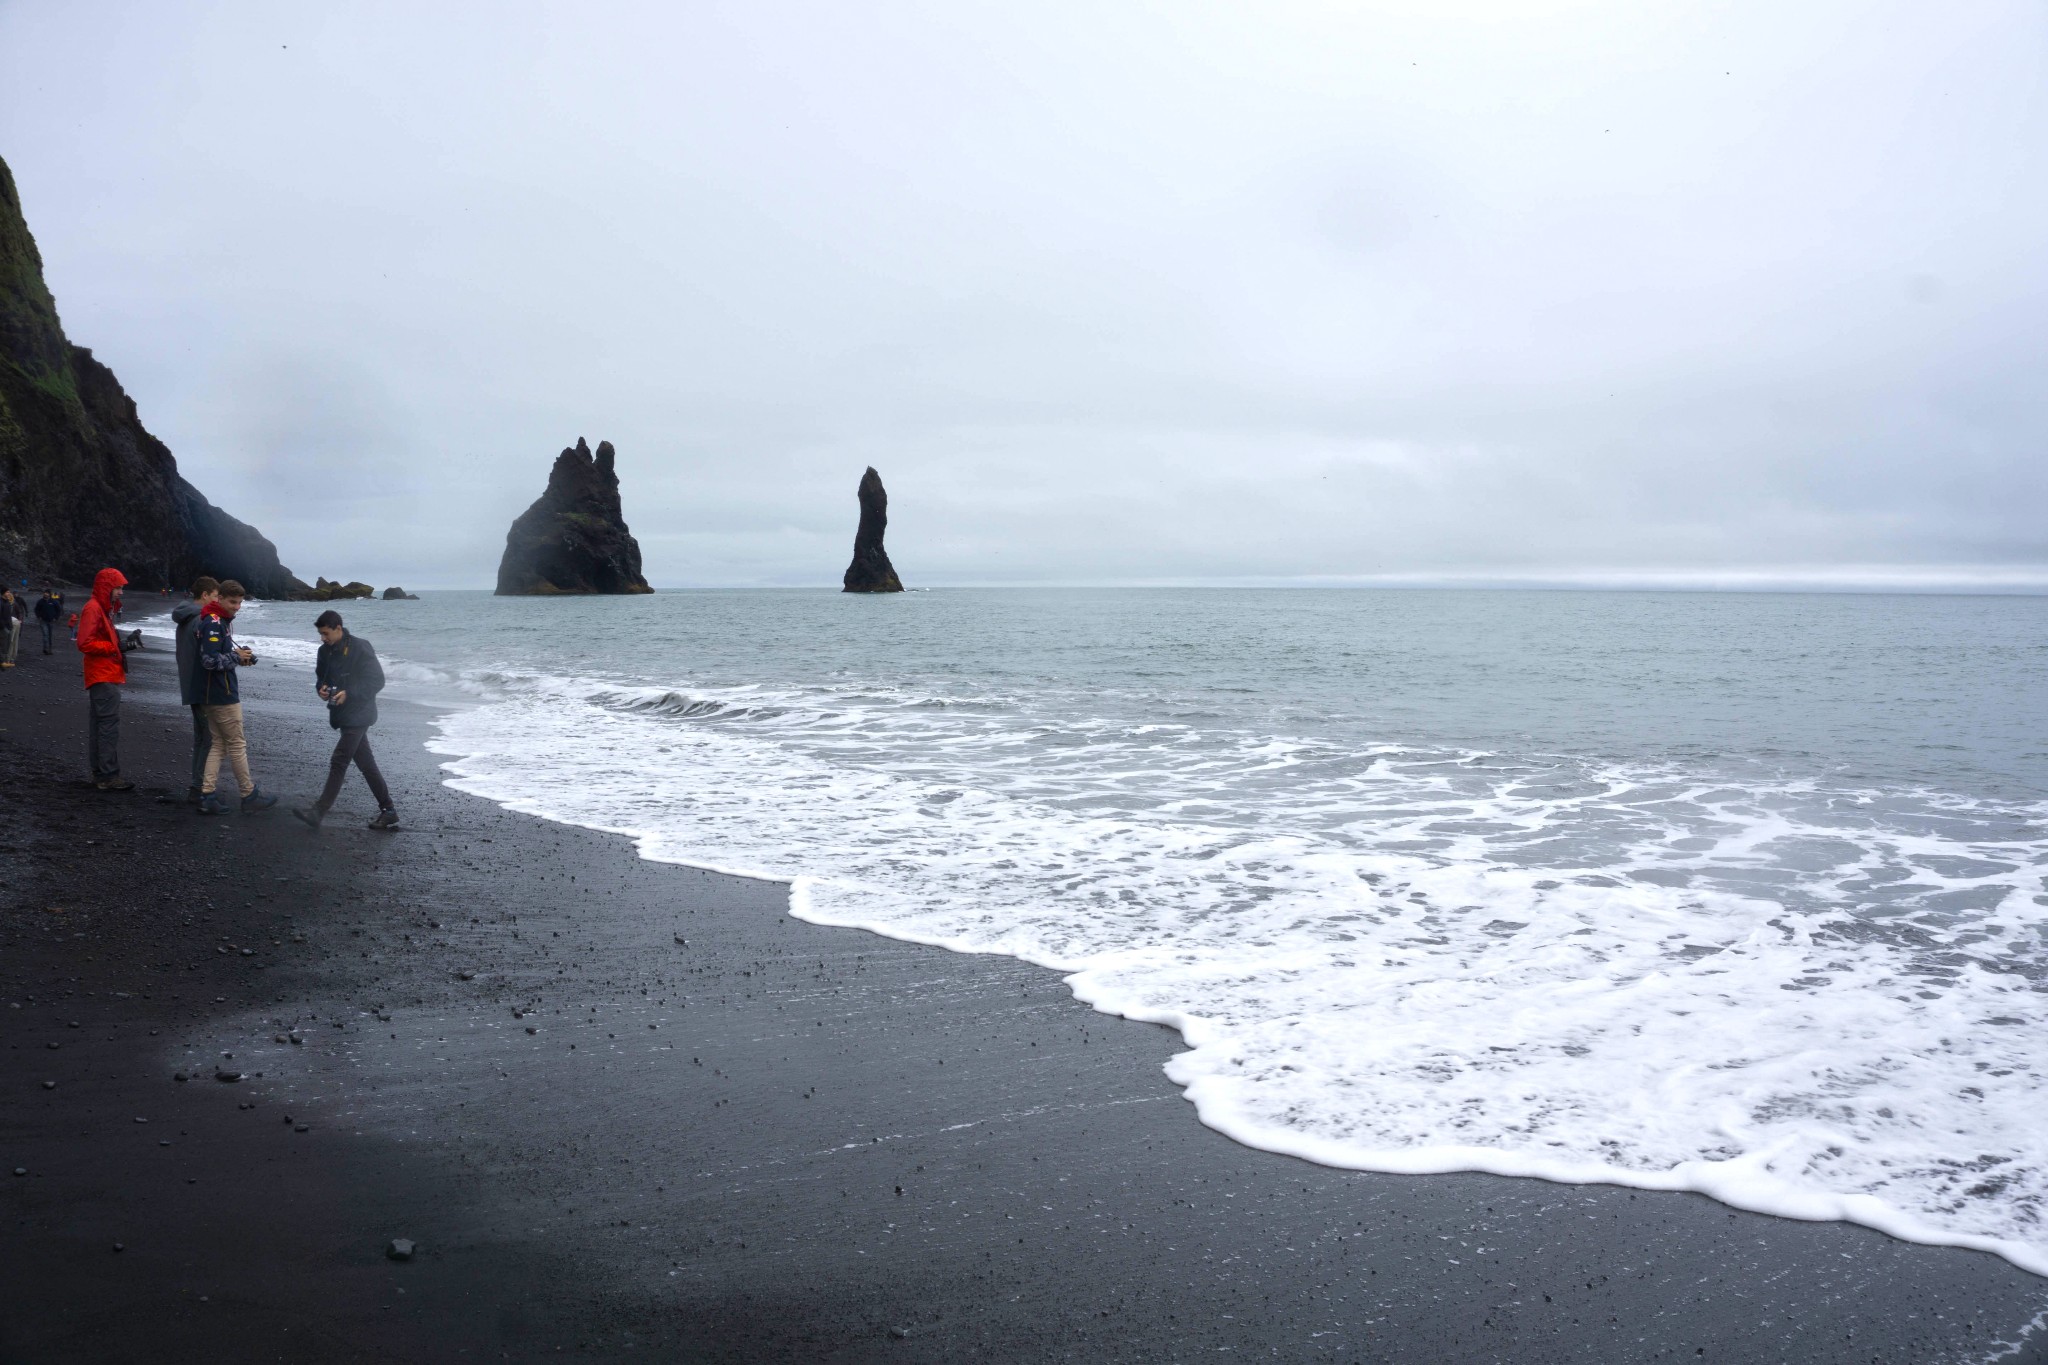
(401, 1249)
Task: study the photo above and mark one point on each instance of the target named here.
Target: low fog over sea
(1733, 893)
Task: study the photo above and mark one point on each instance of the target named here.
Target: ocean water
(1741, 894)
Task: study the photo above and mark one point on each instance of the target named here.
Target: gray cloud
(1106, 292)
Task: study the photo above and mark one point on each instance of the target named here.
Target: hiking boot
(256, 801)
(386, 819)
(193, 796)
(114, 784)
(213, 803)
(311, 816)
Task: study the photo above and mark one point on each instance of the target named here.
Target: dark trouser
(202, 740)
(354, 747)
(49, 633)
(103, 731)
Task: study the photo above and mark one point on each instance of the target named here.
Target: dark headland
(573, 539)
(82, 482)
(871, 570)
(630, 1111)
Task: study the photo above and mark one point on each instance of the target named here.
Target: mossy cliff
(83, 485)
(574, 537)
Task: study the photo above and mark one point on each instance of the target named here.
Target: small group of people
(346, 676)
(14, 614)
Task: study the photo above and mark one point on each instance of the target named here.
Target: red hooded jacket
(96, 638)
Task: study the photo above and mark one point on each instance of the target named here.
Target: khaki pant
(224, 723)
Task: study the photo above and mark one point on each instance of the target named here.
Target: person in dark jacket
(12, 612)
(220, 659)
(348, 678)
(105, 671)
(49, 611)
(192, 678)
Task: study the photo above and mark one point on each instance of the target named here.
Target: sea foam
(1822, 1003)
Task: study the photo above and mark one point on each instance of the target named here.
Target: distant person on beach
(219, 660)
(192, 678)
(105, 671)
(49, 611)
(348, 678)
(12, 613)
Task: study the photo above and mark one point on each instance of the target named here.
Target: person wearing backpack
(220, 658)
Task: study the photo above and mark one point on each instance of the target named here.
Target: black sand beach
(630, 1111)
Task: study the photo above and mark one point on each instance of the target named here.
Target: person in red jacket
(105, 671)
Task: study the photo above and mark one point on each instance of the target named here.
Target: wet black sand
(774, 1142)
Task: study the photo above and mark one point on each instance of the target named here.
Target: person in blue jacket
(348, 678)
(220, 658)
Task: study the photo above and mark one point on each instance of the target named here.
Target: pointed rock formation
(871, 570)
(574, 537)
(83, 485)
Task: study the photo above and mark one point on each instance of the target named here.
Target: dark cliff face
(574, 537)
(871, 570)
(83, 486)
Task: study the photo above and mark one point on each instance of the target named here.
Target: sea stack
(574, 537)
(871, 570)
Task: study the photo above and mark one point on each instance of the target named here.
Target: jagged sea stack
(574, 537)
(871, 570)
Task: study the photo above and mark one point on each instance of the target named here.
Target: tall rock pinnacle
(871, 570)
(574, 537)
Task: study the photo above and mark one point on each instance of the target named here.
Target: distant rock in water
(400, 595)
(871, 570)
(574, 537)
(325, 591)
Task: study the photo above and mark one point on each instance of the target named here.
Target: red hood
(103, 585)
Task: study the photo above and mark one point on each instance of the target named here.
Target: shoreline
(775, 1141)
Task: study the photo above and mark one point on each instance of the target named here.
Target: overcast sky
(1106, 291)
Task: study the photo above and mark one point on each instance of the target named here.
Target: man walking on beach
(221, 692)
(105, 671)
(12, 612)
(192, 678)
(49, 611)
(348, 678)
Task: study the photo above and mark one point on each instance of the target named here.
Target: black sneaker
(193, 796)
(114, 784)
(386, 819)
(310, 816)
(213, 803)
(256, 801)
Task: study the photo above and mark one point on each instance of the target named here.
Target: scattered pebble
(49, 1085)
(401, 1249)
(228, 1076)
(21, 1170)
